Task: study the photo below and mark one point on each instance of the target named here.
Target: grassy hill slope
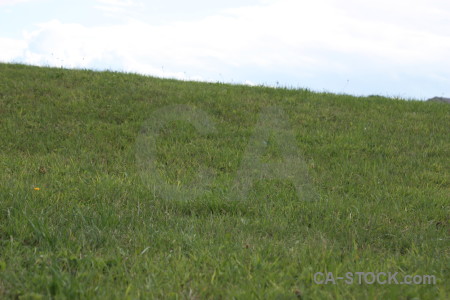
(79, 220)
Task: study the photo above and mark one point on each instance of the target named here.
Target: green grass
(98, 229)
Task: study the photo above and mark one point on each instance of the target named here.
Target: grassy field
(87, 212)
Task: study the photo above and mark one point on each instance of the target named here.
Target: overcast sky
(395, 48)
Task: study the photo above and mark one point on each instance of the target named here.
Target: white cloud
(12, 2)
(11, 49)
(298, 38)
(122, 9)
(125, 3)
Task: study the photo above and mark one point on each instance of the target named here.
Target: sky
(390, 48)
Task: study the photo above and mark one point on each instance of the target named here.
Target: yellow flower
(37, 189)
